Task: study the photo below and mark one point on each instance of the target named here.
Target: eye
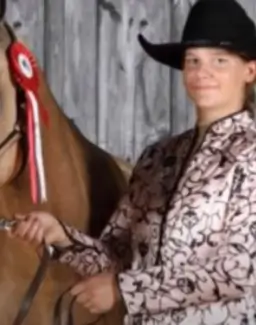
(220, 61)
(191, 61)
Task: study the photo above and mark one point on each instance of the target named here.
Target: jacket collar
(228, 127)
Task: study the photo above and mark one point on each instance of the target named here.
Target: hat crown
(218, 20)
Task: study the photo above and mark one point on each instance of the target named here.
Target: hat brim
(172, 54)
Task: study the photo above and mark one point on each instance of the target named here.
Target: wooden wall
(119, 97)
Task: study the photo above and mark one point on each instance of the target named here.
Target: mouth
(200, 88)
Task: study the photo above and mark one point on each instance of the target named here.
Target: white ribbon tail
(38, 147)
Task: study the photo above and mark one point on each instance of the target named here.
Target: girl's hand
(40, 227)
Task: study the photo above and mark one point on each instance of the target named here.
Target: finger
(78, 288)
(22, 227)
(94, 310)
(30, 236)
(38, 237)
(20, 217)
(88, 304)
(84, 299)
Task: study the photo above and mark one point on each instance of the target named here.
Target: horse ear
(2, 8)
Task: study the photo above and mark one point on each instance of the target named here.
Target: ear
(2, 9)
(250, 71)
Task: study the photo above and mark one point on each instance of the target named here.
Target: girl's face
(216, 79)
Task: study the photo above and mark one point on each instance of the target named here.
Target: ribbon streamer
(38, 147)
(31, 153)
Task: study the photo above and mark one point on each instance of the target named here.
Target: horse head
(11, 108)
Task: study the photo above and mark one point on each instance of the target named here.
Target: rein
(50, 253)
(13, 136)
(33, 288)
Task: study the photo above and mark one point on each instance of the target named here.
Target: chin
(206, 104)
(207, 100)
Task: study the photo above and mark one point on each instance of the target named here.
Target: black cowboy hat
(2, 8)
(211, 23)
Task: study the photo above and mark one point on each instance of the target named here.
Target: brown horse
(84, 184)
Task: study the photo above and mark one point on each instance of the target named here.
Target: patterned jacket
(184, 237)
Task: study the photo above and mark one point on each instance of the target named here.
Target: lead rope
(78, 247)
(70, 319)
(33, 288)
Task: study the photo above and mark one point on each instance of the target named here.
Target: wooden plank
(133, 89)
(54, 50)
(182, 111)
(152, 114)
(110, 82)
(80, 63)
(28, 17)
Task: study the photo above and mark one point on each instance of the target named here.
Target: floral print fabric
(183, 239)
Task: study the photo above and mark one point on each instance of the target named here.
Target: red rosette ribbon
(25, 73)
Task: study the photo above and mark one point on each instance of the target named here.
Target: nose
(202, 69)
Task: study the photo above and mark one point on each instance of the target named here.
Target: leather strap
(33, 288)
(70, 319)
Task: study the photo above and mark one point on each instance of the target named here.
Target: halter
(14, 135)
(17, 132)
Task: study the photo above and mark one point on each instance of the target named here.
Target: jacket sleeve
(228, 275)
(89, 256)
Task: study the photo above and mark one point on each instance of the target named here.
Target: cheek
(188, 81)
(227, 82)
(234, 84)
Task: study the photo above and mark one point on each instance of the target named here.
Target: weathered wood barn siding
(119, 98)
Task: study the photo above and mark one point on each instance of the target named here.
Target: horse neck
(67, 180)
